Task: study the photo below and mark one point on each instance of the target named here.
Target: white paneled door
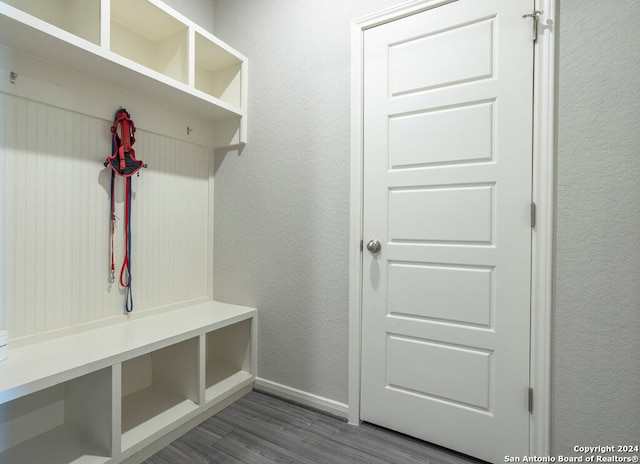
(447, 194)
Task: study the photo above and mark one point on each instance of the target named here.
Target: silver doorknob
(374, 246)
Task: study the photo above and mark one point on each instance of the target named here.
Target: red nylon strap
(123, 162)
(123, 142)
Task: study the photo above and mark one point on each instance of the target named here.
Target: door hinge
(533, 214)
(361, 245)
(535, 16)
(530, 400)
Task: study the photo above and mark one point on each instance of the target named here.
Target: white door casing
(440, 251)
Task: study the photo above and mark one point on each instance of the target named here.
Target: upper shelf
(141, 45)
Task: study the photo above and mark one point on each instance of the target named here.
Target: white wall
(200, 12)
(282, 206)
(597, 313)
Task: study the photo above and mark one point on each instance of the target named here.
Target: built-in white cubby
(217, 71)
(64, 423)
(79, 17)
(106, 394)
(146, 34)
(158, 389)
(228, 357)
(143, 46)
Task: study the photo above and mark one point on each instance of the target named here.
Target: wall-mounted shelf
(78, 17)
(217, 72)
(148, 35)
(141, 45)
(102, 395)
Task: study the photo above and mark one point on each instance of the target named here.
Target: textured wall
(596, 380)
(200, 12)
(282, 206)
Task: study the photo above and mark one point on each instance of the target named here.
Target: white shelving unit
(68, 422)
(102, 395)
(107, 394)
(78, 17)
(158, 389)
(143, 45)
(148, 35)
(217, 72)
(228, 357)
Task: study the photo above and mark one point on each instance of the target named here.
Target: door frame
(543, 194)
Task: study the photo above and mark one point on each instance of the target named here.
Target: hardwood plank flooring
(261, 429)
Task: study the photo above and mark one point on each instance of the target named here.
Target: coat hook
(13, 76)
(189, 130)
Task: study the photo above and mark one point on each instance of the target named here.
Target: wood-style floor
(261, 429)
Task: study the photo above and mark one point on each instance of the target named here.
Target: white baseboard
(332, 407)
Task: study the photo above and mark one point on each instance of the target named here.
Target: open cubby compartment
(217, 71)
(68, 422)
(228, 358)
(158, 389)
(145, 33)
(79, 17)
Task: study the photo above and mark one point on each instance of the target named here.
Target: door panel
(447, 191)
(456, 294)
(471, 45)
(467, 385)
(468, 138)
(450, 214)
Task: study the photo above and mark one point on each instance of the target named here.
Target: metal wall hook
(13, 76)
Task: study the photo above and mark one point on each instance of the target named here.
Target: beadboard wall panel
(56, 220)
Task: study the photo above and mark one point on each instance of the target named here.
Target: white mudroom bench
(118, 393)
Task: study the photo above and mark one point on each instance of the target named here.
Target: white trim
(398, 12)
(211, 227)
(543, 195)
(3, 157)
(355, 226)
(544, 127)
(321, 403)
